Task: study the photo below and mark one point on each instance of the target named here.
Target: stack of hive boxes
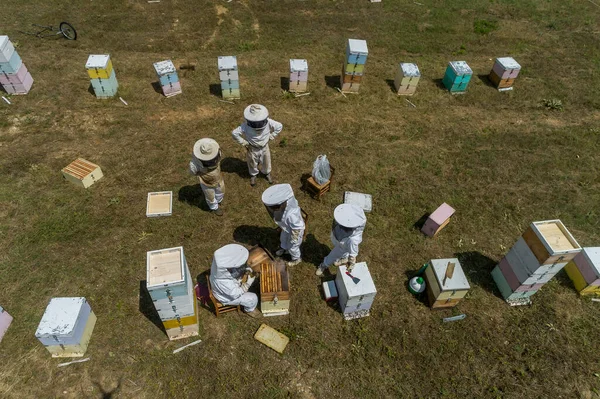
(504, 73)
(102, 75)
(228, 74)
(171, 288)
(457, 77)
(167, 78)
(66, 327)
(5, 320)
(356, 291)
(543, 250)
(407, 78)
(298, 76)
(354, 67)
(584, 271)
(446, 283)
(14, 77)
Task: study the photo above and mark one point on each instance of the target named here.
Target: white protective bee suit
(205, 153)
(226, 288)
(289, 219)
(346, 235)
(256, 139)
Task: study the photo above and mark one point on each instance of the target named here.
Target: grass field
(502, 160)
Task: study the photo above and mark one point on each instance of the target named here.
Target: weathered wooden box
(356, 291)
(457, 77)
(551, 242)
(274, 289)
(447, 285)
(66, 327)
(504, 72)
(83, 173)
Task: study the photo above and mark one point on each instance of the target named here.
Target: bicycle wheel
(67, 30)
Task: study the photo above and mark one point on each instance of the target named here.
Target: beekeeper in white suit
(254, 134)
(346, 234)
(226, 272)
(206, 164)
(285, 211)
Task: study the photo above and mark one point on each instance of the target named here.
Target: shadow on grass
(193, 195)
(215, 90)
(421, 222)
(313, 251)
(235, 165)
(478, 268)
(254, 235)
(333, 81)
(486, 80)
(157, 87)
(91, 90)
(440, 84)
(392, 85)
(303, 183)
(285, 83)
(108, 394)
(146, 307)
(202, 294)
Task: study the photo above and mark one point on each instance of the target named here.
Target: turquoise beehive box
(457, 77)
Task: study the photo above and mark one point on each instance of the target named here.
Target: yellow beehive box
(99, 66)
(82, 173)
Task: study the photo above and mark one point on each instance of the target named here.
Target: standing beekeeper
(226, 272)
(283, 208)
(254, 134)
(206, 164)
(346, 234)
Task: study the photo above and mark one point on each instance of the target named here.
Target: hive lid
(365, 201)
(410, 70)
(60, 317)
(360, 281)
(298, 65)
(164, 67)
(165, 266)
(159, 203)
(97, 61)
(357, 46)
(3, 42)
(508, 63)
(227, 63)
(555, 236)
(442, 213)
(461, 68)
(458, 281)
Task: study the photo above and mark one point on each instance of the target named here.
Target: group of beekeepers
(229, 262)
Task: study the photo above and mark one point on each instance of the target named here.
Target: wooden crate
(274, 289)
(446, 287)
(5, 320)
(159, 203)
(438, 220)
(356, 291)
(82, 173)
(551, 242)
(257, 256)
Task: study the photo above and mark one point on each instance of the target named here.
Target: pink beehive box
(438, 220)
(5, 320)
(172, 89)
(20, 88)
(16, 78)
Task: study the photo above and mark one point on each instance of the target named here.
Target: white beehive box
(83, 173)
(164, 268)
(356, 291)
(6, 49)
(357, 46)
(159, 204)
(97, 61)
(164, 67)
(298, 65)
(365, 201)
(227, 63)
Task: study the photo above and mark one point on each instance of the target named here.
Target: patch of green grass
(484, 26)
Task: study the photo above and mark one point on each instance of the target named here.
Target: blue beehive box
(457, 77)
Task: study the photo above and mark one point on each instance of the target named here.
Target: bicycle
(65, 29)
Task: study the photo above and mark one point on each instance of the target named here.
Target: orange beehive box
(82, 173)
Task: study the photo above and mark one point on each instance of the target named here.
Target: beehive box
(356, 291)
(171, 288)
(457, 77)
(14, 76)
(274, 289)
(168, 78)
(257, 256)
(437, 220)
(82, 173)
(13, 64)
(298, 75)
(66, 327)
(551, 242)
(102, 75)
(5, 320)
(584, 271)
(445, 288)
(504, 72)
(6, 49)
(354, 66)
(407, 78)
(229, 77)
(513, 298)
(159, 203)
(365, 201)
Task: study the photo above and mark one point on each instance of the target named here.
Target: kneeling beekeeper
(346, 234)
(206, 164)
(226, 275)
(283, 208)
(254, 134)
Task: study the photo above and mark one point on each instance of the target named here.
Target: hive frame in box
(274, 289)
(152, 204)
(82, 172)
